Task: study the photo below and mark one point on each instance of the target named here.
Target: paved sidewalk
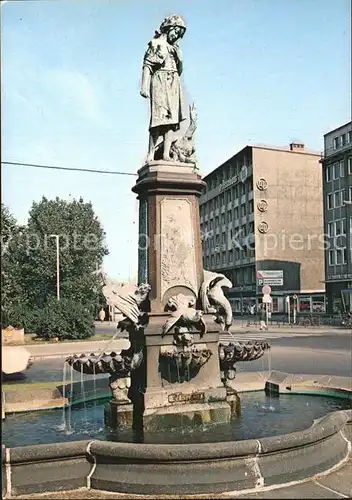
(240, 325)
(310, 330)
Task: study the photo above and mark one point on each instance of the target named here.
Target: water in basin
(261, 416)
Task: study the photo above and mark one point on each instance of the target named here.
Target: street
(327, 353)
(107, 327)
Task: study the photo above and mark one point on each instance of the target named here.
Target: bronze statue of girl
(162, 67)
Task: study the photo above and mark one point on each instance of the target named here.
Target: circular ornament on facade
(262, 205)
(243, 173)
(263, 227)
(262, 184)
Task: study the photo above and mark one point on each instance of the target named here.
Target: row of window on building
(222, 258)
(238, 236)
(243, 274)
(337, 198)
(338, 256)
(227, 172)
(339, 227)
(337, 170)
(229, 195)
(229, 216)
(342, 140)
(305, 304)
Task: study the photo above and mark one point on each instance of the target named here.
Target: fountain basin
(181, 469)
(218, 467)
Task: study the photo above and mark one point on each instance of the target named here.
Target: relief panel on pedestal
(177, 245)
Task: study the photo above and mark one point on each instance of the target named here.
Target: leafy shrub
(65, 319)
(21, 316)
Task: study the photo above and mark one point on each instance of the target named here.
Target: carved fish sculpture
(127, 299)
(213, 298)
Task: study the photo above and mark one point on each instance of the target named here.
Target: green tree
(11, 293)
(81, 251)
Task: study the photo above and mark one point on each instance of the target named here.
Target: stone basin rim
(321, 429)
(174, 469)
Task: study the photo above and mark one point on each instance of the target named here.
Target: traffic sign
(271, 278)
(270, 274)
(266, 290)
(273, 281)
(267, 299)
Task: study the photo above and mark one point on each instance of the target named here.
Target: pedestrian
(263, 325)
(101, 314)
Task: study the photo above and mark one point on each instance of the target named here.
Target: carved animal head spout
(142, 292)
(183, 337)
(184, 314)
(180, 301)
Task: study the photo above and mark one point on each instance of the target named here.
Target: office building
(262, 223)
(337, 193)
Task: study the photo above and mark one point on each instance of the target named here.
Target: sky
(259, 71)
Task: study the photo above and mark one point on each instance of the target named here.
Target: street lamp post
(288, 302)
(57, 236)
(295, 304)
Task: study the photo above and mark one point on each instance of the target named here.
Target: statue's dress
(167, 103)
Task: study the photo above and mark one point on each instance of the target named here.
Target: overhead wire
(54, 167)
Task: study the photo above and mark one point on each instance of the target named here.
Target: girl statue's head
(174, 27)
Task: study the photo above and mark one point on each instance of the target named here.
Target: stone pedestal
(170, 253)
(170, 260)
(119, 412)
(199, 396)
(118, 415)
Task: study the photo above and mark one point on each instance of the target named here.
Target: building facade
(337, 193)
(262, 223)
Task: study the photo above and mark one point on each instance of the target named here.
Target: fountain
(175, 372)
(175, 315)
(189, 372)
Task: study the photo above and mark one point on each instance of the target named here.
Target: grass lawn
(10, 386)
